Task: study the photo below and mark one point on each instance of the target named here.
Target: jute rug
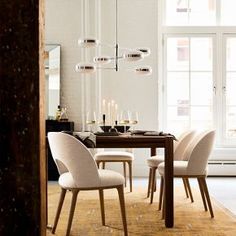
(143, 219)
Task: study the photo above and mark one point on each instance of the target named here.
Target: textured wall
(19, 118)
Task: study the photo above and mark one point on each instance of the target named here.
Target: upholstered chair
(194, 165)
(153, 162)
(125, 157)
(78, 172)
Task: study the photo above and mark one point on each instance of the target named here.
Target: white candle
(116, 112)
(109, 112)
(103, 106)
(112, 111)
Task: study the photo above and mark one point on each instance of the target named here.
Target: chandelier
(129, 55)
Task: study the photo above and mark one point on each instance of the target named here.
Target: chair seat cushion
(114, 156)
(108, 178)
(180, 168)
(154, 161)
(66, 181)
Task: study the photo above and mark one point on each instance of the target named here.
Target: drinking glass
(91, 120)
(124, 119)
(133, 118)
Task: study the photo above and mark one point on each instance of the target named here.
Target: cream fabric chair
(78, 171)
(153, 162)
(117, 156)
(195, 164)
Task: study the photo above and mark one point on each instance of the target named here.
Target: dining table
(152, 142)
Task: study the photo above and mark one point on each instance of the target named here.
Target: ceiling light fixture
(130, 55)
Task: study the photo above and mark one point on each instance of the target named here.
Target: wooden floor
(143, 219)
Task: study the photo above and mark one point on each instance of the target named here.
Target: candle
(103, 106)
(116, 113)
(112, 112)
(109, 112)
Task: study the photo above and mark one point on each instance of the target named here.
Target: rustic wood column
(22, 121)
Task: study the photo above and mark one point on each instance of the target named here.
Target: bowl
(122, 128)
(105, 128)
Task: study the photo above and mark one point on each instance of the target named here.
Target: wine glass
(125, 119)
(133, 118)
(91, 120)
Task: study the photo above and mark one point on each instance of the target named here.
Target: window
(199, 69)
(189, 82)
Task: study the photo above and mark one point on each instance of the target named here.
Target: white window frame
(218, 33)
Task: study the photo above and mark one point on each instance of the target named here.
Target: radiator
(221, 168)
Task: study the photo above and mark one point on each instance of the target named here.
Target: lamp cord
(116, 47)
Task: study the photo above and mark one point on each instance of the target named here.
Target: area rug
(143, 218)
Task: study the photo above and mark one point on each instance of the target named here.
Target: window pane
(181, 81)
(201, 54)
(231, 89)
(190, 12)
(177, 54)
(177, 12)
(201, 117)
(201, 88)
(228, 16)
(231, 54)
(202, 12)
(176, 122)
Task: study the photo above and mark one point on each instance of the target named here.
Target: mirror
(52, 75)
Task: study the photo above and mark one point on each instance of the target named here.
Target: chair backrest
(182, 143)
(198, 152)
(75, 157)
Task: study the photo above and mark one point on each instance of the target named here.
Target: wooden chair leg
(98, 163)
(149, 182)
(203, 182)
(62, 197)
(161, 193)
(72, 210)
(120, 190)
(153, 183)
(163, 202)
(101, 197)
(130, 176)
(124, 171)
(202, 194)
(189, 189)
(103, 164)
(185, 187)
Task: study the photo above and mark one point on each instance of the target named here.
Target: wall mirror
(52, 75)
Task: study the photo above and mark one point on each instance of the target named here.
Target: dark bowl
(105, 128)
(121, 128)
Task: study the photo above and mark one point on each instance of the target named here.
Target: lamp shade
(88, 42)
(145, 51)
(133, 56)
(87, 68)
(102, 60)
(145, 70)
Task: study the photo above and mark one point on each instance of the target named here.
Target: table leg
(169, 196)
(153, 152)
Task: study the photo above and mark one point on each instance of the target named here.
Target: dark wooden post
(22, 121)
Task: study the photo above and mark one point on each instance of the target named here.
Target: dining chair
(78, 172)
(125, 157)
(153, 162)
(194, 165)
